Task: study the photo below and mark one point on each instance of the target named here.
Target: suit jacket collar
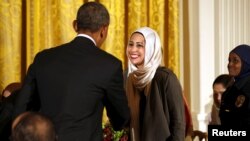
(87, 36)
(81, 41)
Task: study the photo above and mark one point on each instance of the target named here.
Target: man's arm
(24, 96)
(116, 101)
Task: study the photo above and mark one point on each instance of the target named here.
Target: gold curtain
(10, 41)
(27, 27)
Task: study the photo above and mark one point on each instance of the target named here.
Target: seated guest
(32, 126)
(8, 98)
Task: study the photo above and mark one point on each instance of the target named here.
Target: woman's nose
(133, 48)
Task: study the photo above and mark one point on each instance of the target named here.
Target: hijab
(152, 60)
(243, 51)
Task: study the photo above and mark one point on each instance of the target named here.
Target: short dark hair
(225, 79)
(33, 126)
(92, 16)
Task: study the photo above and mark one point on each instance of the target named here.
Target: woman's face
(218, 90)
(234, 64)
(136, 50)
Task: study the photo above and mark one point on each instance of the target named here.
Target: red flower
(124, 138)
(109, 134)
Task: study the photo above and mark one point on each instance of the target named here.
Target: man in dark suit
(75, 81)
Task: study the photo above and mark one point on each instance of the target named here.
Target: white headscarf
(152, 60)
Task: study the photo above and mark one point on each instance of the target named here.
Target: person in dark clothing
(235, 106)
(76, 80)
(6, 109)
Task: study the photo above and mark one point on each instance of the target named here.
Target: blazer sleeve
(175, 105)
(116, 101)
(24, 97)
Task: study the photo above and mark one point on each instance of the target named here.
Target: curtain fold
(10, 41)
(115, 42)
(171, 55)
(48, 24)
(27, 27)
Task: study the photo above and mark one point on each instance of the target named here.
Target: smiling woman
(136, 49)
(234, 64)
(234, 110)
(154, 92)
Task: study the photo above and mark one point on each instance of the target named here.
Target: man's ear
(104, 31)
(101, 33)
(75, 25)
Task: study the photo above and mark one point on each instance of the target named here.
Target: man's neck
(94, 35)
(87, 36)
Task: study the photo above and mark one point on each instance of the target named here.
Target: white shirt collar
(87, 36)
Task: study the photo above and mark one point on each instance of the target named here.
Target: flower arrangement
(109, 134)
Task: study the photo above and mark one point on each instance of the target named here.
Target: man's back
(73, 82)
(76, 80)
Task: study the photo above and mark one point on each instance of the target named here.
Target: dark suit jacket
(74, 82)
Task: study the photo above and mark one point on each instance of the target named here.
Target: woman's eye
(235, 61)
(139, 45)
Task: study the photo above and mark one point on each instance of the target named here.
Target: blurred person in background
(220, 84)
(235, 106)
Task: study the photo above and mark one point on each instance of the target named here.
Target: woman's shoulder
(165, 74)
(164, 71)
(243, 84)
